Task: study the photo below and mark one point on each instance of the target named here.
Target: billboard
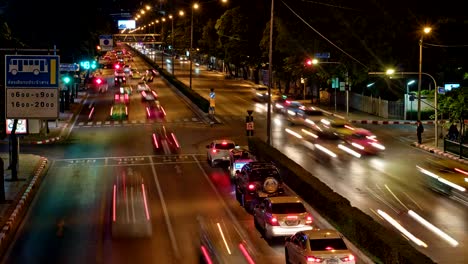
(126, 24)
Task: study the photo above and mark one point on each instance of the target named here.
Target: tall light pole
(172, 42)
(391, 72)
(270, 72)
(162, 46)
(194, 6)
(426, 30)
(315, 61)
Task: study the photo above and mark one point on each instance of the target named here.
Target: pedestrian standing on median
(419, 131)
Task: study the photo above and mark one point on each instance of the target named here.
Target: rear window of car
(327, 244)
(288, 208)
(259, 174)
(226, 146)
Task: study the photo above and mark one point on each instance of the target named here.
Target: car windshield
(288, 208)
(224, 146)
(327, 244)
(260, 174)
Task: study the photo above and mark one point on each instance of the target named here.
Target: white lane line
(166, 214)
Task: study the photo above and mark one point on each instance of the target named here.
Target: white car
(317, 246)
(218, 151)
(143, 87)
(281, 216)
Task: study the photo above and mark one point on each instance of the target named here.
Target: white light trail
(401, 229)
(224, 239)
(349, 151)
(434, 229)
(293, 133)
(329, 152)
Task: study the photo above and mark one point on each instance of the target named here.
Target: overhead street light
(194, 6)
(391, 72)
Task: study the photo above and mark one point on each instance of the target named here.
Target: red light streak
(155, 141)
(206, 255)
(113, 203)
(246, 254)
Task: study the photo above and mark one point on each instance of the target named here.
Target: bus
(35, 66)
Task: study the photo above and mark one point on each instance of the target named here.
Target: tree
(453, 104)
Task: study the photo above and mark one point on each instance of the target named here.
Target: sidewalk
(19, 194)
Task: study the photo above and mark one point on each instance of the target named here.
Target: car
(130, 209)
(97, 84)
(149, 95)
(446, 177)
(119, 72)
(218, 151)
(255, 181)
(119, 111)
(291, 107)
(317, 246)
(238, 157)
(143, 87)
(260, 93)
(280, 103)
(328, 128)
(303, 116)
(135, 74)
(154, 110)
(281, 216)
(119, 80)
(363, 141)
(165, 141)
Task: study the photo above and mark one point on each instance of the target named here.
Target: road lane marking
(166, 214)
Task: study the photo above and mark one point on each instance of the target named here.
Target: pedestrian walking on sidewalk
(419, 131)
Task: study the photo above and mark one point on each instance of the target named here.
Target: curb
(45, 141)
(8, 231)
(440, 152)
(387, 122)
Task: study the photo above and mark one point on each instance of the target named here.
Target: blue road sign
(322, 55)
(29, 71)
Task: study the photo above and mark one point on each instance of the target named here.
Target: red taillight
(98, 81)
(309, 219)
(214, 151)
(313, 259)
(273, 221)
(251, 187)
(348, 258)
(117, 66)
(224, 143)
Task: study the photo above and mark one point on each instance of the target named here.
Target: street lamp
(391, 72)
(407, 96)
(194, 6)
(172, 41)
(162, 46)
(426, 30)
(315, 61)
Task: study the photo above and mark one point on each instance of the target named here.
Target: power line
(321, 35)
(447, 46)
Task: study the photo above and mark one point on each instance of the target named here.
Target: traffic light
(98, 81)
(66, 79)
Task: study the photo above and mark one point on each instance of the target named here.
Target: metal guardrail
(459, 148)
